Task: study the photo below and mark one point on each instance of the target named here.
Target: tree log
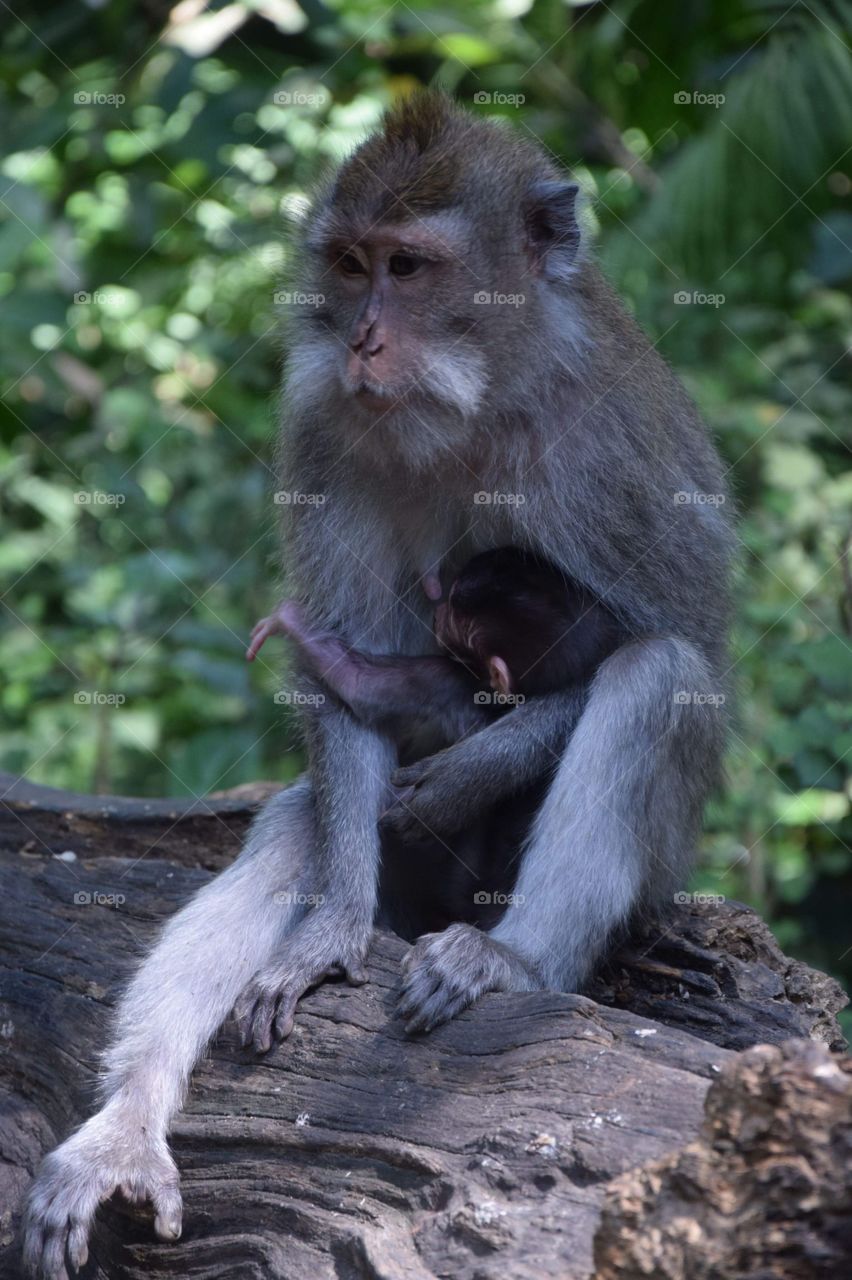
(487, 1149)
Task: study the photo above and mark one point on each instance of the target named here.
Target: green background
(150, 160)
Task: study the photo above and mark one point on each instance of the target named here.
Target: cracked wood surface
(484, 1150)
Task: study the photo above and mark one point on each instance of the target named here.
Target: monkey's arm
(378, 688)
(346, 566)
(447, 791)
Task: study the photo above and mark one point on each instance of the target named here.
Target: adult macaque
(412, 391)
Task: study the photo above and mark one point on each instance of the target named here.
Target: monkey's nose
(369, 346)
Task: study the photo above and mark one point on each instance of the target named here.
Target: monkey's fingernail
(167, 1223)
(262, 1039)
(284, 1026)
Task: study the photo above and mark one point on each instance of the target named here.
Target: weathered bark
(765, 1189)
(484, 1150)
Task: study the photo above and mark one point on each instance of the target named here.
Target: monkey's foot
(112, 1152)
(445, 972)
(321, 947)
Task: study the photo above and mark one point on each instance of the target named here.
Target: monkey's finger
(406, 826)
(356, 974)
(416, 992)
(445, 1006)
(410, 961)
(243, 1016)
(402, 798)
(261, 1024)
(285, 1018)
(33, 1248)
(255, 645)
(53, 1256)
(408, 775)
(78, 1244)
(168, 1208)
(439, 1007)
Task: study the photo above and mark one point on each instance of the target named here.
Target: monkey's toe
(428, 1001)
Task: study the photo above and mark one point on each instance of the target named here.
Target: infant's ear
(499, 676)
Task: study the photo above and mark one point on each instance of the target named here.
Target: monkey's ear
(553, 233)
(499, 676)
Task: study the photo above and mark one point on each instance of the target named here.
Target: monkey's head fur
(443, 251)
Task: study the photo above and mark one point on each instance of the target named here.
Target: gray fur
(562, 402)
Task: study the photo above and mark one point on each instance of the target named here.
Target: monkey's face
(443, 243)
(402, 333)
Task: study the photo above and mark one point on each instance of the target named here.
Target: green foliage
(150, 160)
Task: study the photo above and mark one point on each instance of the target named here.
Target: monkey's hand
(113, 1151)
(325, 945)
(428, 799)
(445, 972)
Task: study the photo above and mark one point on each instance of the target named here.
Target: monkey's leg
(175, 1003)
(377, 688)
(616, 829)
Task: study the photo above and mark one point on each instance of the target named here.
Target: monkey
(459, 377)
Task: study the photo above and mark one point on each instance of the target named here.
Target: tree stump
(489, 1149)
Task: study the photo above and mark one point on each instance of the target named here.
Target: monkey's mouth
(374, 396)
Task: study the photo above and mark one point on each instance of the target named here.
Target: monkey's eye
(404, 264)
(350, 265)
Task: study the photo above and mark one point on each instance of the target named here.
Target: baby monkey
(511, 624)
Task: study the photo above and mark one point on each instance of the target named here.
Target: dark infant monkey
(423, 421)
